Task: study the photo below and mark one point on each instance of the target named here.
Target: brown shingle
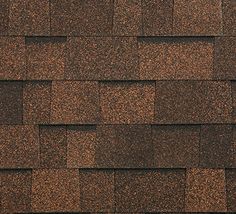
(197, 17)
(124, 146)
(205, 191)
(36, 102)
(234, 147)
(11, 96)
(4, 17)
(74, 102)
(233, 85)
(193, 102)
(81, 146)
(216, 146)
(12, 58)
(19, 146)
(127, 20)
(176, 58)
(93, 18)
(93, 58)
(229, 17)
(29, 17)
(225, 58)
(176, 146)
(149, 191)
(45, 57)
(15, 191)
(231, 189)
(157, 17)
(55, 190)
(97, 190)
(127, 102)
(53, 147)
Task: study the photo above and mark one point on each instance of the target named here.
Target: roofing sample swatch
(118, 106)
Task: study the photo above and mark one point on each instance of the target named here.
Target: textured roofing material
(117, 106)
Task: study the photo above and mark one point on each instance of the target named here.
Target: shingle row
(118, 58)
(161, 190)
(119, 18)
(118, 146)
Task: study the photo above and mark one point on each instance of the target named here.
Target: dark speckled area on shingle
(197, 17)
(11, 101)
(229, 17)
(97, 190)
(15, 191)
(176, 146)
(150, 191)
(53, 146)
(233, 87)
(102, 58)
(193, 102)
(231, 189)
(124, 146)
(81, 17)
(4, 17)
(157, 17)
(216, 146)
(225, 58)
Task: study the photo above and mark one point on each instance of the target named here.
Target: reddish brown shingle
(93, 58)
(231, 189)
(176, 58)
(11, 96)
(53, 146)
(124, 146)
(205, 190)
(127, 20)
(93, 18)
(193, 102)
(127, 102)
(15, 191)
(55, 190)
(157, 17)
(176, 146)
(36, 102)
(197, 17)
(4, 17)
(225, 58)
(74, 102)
(216, 146)
(229, 17)
(19, 146)
(233, 86)
(29, 17)
(97, 190)
(45, 57)
(149, 191)
(12, 58)
(81, 146)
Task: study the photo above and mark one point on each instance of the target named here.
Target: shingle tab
(197, 17)
(231, 189)
(97, 190)
(193, 102)
(15, 191)
(4, 17)
(74, 102)
(205, 190)
(55, 190)
(229, 17)
(176, 146)
(127, 102)
(174, 58)
(11, 101)
(19, 146)
(149, 191)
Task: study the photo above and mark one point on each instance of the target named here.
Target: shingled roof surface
(118, 106)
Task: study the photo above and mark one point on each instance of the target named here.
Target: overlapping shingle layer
(118, 106)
